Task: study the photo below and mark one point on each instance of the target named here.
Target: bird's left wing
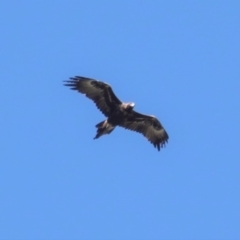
(148, 126)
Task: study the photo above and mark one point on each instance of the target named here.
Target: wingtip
(70, 83)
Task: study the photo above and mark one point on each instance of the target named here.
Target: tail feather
(103, 128)
(99, 124)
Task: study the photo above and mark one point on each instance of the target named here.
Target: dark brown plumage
(118, 113)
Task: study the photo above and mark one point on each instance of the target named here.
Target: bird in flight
(117, 112)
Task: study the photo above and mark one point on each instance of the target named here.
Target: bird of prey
(117, 112)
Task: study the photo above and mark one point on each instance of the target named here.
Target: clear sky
(177, 60)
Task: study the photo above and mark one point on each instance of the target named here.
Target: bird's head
(130, 106)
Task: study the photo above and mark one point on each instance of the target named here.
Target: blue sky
(177, 60)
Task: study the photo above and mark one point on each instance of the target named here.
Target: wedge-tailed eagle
(118, 113)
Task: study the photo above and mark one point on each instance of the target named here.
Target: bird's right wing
(101, 93)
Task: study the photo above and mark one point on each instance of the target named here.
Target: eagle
(117, 112)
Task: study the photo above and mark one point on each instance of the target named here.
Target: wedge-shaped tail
(103, 128)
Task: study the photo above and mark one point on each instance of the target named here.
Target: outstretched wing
(101, 93)
(148, 126)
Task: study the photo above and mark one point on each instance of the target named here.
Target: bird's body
(118, 113)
